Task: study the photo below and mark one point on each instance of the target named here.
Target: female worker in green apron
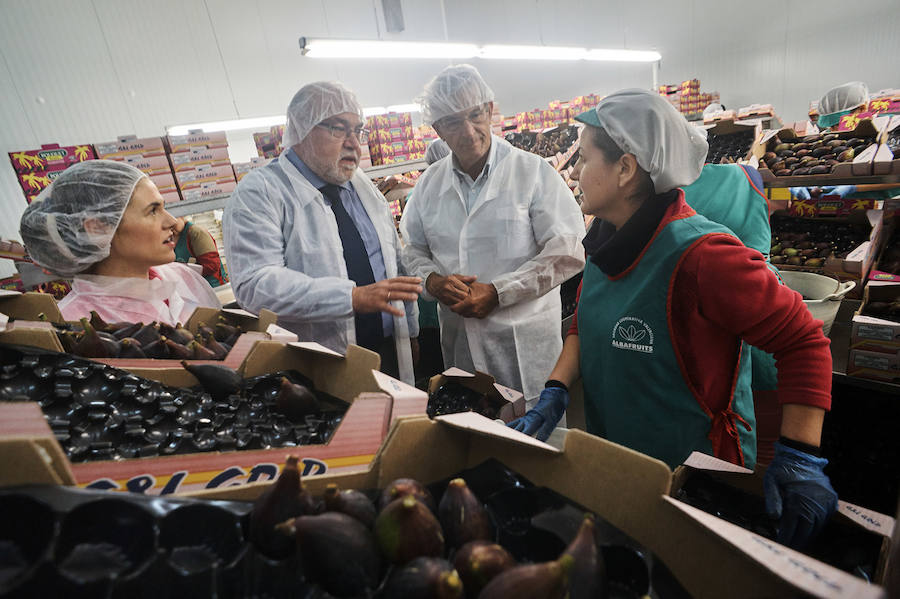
(196, 242)
(670, 302)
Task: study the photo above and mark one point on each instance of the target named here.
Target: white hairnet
(314, 103)
(453, 90)
(437, 149)
(844, 97)
(643, 123)
(52, 227)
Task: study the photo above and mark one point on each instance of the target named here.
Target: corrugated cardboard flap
(29, 452)
(476, 423)
(800, 571)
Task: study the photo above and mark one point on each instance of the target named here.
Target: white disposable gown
(523, 234)
(285, 254)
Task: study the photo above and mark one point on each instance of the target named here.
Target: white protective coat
(523, 235)
(285, 254)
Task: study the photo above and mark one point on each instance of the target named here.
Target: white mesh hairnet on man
(453, 90)
(314, 103)
(644, 124)
(844, 97)
(53, 226)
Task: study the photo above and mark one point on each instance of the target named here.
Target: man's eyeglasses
(454, 124)
(345, 132)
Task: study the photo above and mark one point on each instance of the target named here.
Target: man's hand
(449, 290)
(377, 296)
(479, 303)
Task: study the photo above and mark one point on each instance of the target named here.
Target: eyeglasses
(454, 124)
(345, 132)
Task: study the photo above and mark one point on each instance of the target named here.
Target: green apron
(635, 392)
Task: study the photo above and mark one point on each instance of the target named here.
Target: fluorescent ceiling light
(333, 48)
(373, 110)
(404, 108)
(263, 122)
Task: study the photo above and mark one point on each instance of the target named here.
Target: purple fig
(156, 349)
(225, 331)
(462, 515)
(295, 401)
(130, 348)
(406, 529)
(105, 327)
(587, 578)
(338, 552)
(176, 350)
(219, 381)
(92, 345)
(284, 499)
(201, 353)
(424, 578)
(203, 330)
(351, 502)
(546, 580)
(147, 334)
(68, 340)
(128, 331)
(406, 486)
(210, 343)
(480, 561)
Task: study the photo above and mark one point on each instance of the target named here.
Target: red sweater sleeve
(723, 285)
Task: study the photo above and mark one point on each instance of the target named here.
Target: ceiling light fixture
(334, 48)
(262, 122)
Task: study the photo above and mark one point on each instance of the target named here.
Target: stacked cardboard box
(201, 165)
(242, 168)
(36, 169)
(392, 139)
(269, 144)
(147, 154)
(687, 98)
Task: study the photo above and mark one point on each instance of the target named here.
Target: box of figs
(456, 390)
(162, 431)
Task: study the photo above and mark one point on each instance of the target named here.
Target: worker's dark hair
(612, 152)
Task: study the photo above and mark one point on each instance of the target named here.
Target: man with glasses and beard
(310, 237)
(493, 231)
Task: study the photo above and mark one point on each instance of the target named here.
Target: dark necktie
(369, 332)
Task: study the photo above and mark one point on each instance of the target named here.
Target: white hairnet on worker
(53, 226)
(314, 103)
(437, 149)
(844, 97)
(642, 123)
(453, 90)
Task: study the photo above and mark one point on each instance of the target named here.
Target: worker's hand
(800, 193)
(377, 296)
(799, 493)
(414, 348)
(540, 420)
(838, 190)
(480, 302)
(449, 290)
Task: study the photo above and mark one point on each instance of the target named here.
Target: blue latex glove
(838, 190)
(800, 193)
(799, 493)
(540, 420)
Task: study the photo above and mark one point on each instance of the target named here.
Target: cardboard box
(875, 365)
(182, 143)
(34, 182)
(152, 165)
(28, 453)
(165, 183)
(242, 168)
(872, 334)
(710, 557)
(208, 190)
(205, 173)
(171, 196)
(510, 404)
(50, 157)
(129, 145)
(198, 156)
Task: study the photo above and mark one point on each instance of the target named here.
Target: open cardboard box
(730, 127)
(510, 404)
(710, 557)
(29, 452)
(872, 334)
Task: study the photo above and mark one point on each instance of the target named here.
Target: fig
(131, 348)
(198, 352)
(546, 580)
(803, 170)
(147, 334)
(462, 515)
(815, 262)
(225, 332)
(775, 249)
(808, 160)
(791, 160)
(210, 343)
(795, 260)
(203, 330)
(284, 499)
(785, 172)
(424, 578)
(351, 502)
(804, 245)
(338, 552)
(587, 578)
(803, 153)
(92, 345)
(105, 327)
(405, 486)
(781, 148)
(830, 137)
(846, 155)
(800, 146)
(406, 529)
(819, 152)
(769, 156)
(478, 562)
(786, 153)
(295, 401)
(176, 350)
(809, 252)
(155, 349)
(819, 170)
(68, 340)
(834, 143)
(809, 139)
(791, 252)
(828, 157)
(777, 166)
(777, 259)
(128, 330)
(218, 381)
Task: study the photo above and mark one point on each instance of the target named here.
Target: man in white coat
(310, 237)
(493, 231)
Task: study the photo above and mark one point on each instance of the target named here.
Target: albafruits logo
(632, 334)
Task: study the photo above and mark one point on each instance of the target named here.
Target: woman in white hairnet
(493, 231)
(669, 303)
(310, 237)
(104, 223)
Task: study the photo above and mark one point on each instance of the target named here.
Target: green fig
(424, 578)
(406, 486)
(338, 552)
(130, 348)
(92, 345)
(478, 562)
(295, 401)
(176, 350)
(406, 529)
(587, 578)
(546, 580)
(462, 515)
(218, 381)
(283, 499)
(351, 502)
